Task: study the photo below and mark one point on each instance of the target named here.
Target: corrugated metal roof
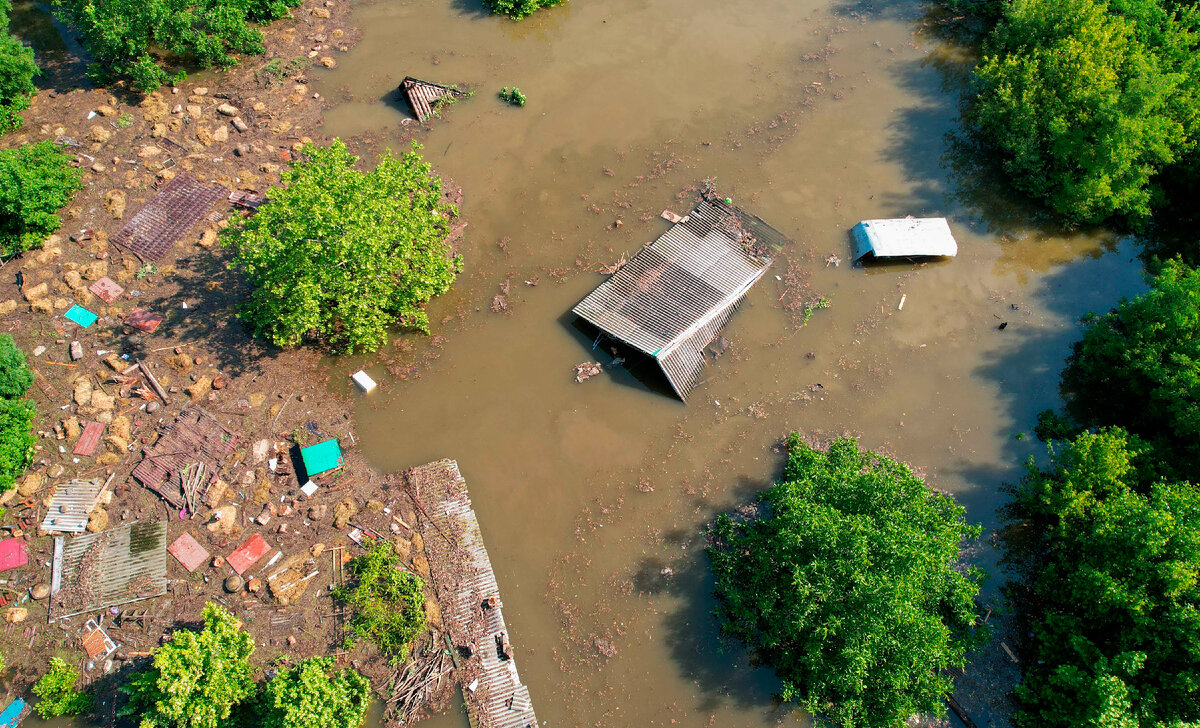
(71, 506)
(99, 570)
(909, 237)
(674, 296)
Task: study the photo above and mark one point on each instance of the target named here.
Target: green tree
(313, 695)
(518, 9)
(1087, 101)
(197, 677)
(1138, 367)
(57, 694)
(36, 181)
(152, 42)
(388, 600)
(848, 582)
(1107, 568)
(339, 255)
(16, 439)
(17, 70)
(15, 376)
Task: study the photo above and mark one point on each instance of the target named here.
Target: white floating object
(309, 488)
(908, 237)
(363, 380)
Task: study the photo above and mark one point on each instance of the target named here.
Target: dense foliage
(339, 255)
(16, 415)
(312, 694)
(1107, 562)
(152, 42)
(388, 600)
(15, 376)
(848, 583)
(17, 70)
(1088, 101)
(197, 677)
(518, 9)
(1138, 367)
(36, 181)
(513, 96)
(57, 694)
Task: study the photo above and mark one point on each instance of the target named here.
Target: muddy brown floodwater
(811, 115)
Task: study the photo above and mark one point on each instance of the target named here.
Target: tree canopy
(312, 694)
(17, 70)
(17, 416)
(152, 42)
(848, 583)
(518, 9)
(197, 677)
(56, 691)
(1107, 567)
(1087, 101)
(388, 601)
(1138, 367)
(36, 181)
(339, 255)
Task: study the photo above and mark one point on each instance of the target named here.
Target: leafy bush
(1138, 367)
(848, 584)
(388, 601)
(1087, 101)
(1106, 567)
(152, 42)
(36, 181)
(518, 9)
(197, 677)
(15, 376)
(57, 694)
(17, 70)
(513, 96)
(312, 695)
(16, 439)
(339, 255)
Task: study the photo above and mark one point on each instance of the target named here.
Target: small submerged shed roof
(908, 237)
(675, 296)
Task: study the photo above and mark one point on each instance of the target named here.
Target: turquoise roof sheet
(322, 457)
(81, 316)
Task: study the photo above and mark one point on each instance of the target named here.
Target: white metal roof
(909, 237)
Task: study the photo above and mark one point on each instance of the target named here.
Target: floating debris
(586, 370)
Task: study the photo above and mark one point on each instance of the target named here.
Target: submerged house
(674, 297)
(424, 97)
(907, 237)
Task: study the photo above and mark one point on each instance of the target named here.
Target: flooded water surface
(592, 495)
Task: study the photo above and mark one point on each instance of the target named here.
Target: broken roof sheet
(188, 551)
(194, 437)
(422, 96)
(88, 439)
(99, 570)
(71, 506)
(168, 216)
(12, 554)
(909, 237)
(246, 555)
(674, 296)
(81, 316)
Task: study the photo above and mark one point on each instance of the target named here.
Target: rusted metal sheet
(194, 437)
(168, 216)
(96, 642)
(244, 556)
(422, 96)
(71, 506)
(107, 569)
(248, 200)
(674, 297)
(188, 551)
(143, 320)
(469, 596)
(106, 289)
(89, 439)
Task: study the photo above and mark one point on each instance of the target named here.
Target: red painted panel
(188, 551)
(12, 554)
(89, 439)
(244, 556)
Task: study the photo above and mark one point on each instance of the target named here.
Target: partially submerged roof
(909, 237)
(194, 439)
(675, 296)
(182, 203)
(423, 96)
(99, 570)
(322, 457)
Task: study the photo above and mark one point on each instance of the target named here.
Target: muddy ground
(127, 147)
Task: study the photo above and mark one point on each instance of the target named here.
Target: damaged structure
(99, 570)
(908, 237)
(424, 97)
(187, 459)
(676, 295)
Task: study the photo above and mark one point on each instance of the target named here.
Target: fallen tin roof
(674, 296)
(194, 437)
(909, 237)
(422, 96)
(71, 506)
(168, 216)
(100, 570)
